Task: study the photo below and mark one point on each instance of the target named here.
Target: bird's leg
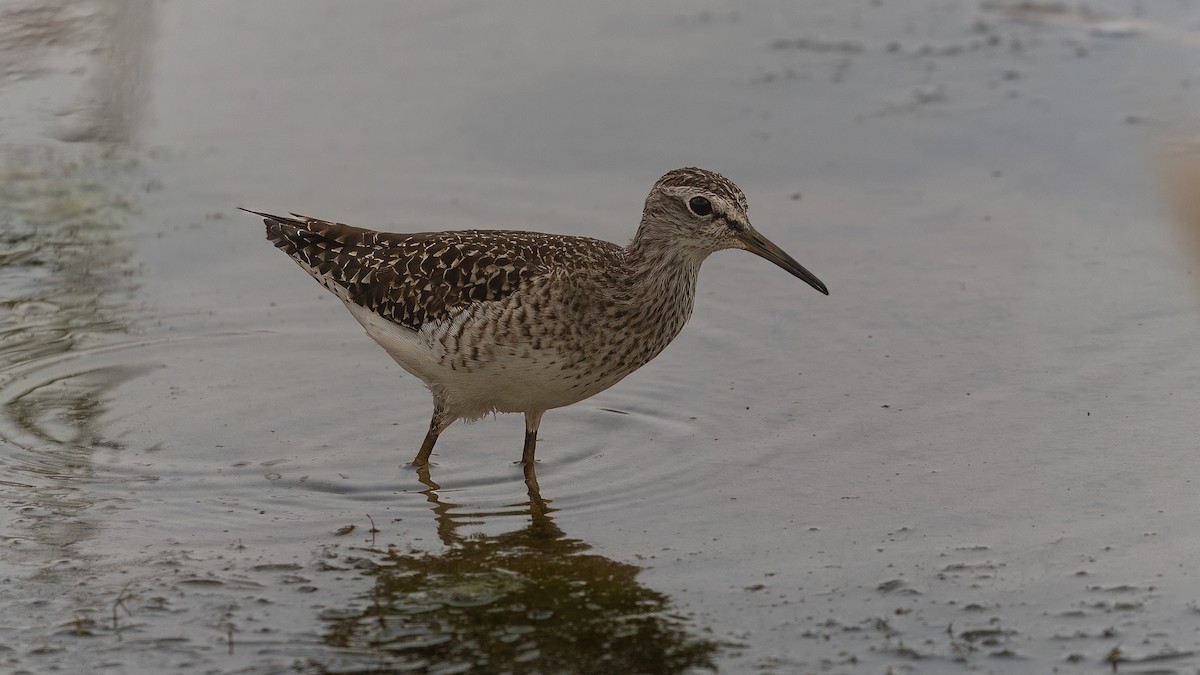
(535, 491)
(422, 457)
(436, 426)
(532, 421)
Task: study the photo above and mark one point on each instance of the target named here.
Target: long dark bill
(761, 246)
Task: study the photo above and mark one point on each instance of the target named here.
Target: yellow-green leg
(436, 426)
(532, 421)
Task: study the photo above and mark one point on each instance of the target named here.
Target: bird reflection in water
(530, 600)
(449, 521)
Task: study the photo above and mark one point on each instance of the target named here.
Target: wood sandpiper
(507, 321)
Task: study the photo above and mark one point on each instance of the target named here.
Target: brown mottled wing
(412, 279)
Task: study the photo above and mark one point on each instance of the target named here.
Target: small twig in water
(1114, 657)
(227, 624)
(120, 603)
(374, 530)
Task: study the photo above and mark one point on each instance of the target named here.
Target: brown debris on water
(1179, 172)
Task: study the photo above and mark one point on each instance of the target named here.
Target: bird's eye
(700, 206)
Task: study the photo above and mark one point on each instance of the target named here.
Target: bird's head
(705, 212)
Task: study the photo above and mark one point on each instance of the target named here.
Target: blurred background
(978, 453)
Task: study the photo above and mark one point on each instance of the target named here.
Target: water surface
(974, 455)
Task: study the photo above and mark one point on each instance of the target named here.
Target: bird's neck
(661, 288)
(663, 267)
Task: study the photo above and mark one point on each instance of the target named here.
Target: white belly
(503, 382)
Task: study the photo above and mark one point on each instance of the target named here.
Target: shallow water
(976, 454)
